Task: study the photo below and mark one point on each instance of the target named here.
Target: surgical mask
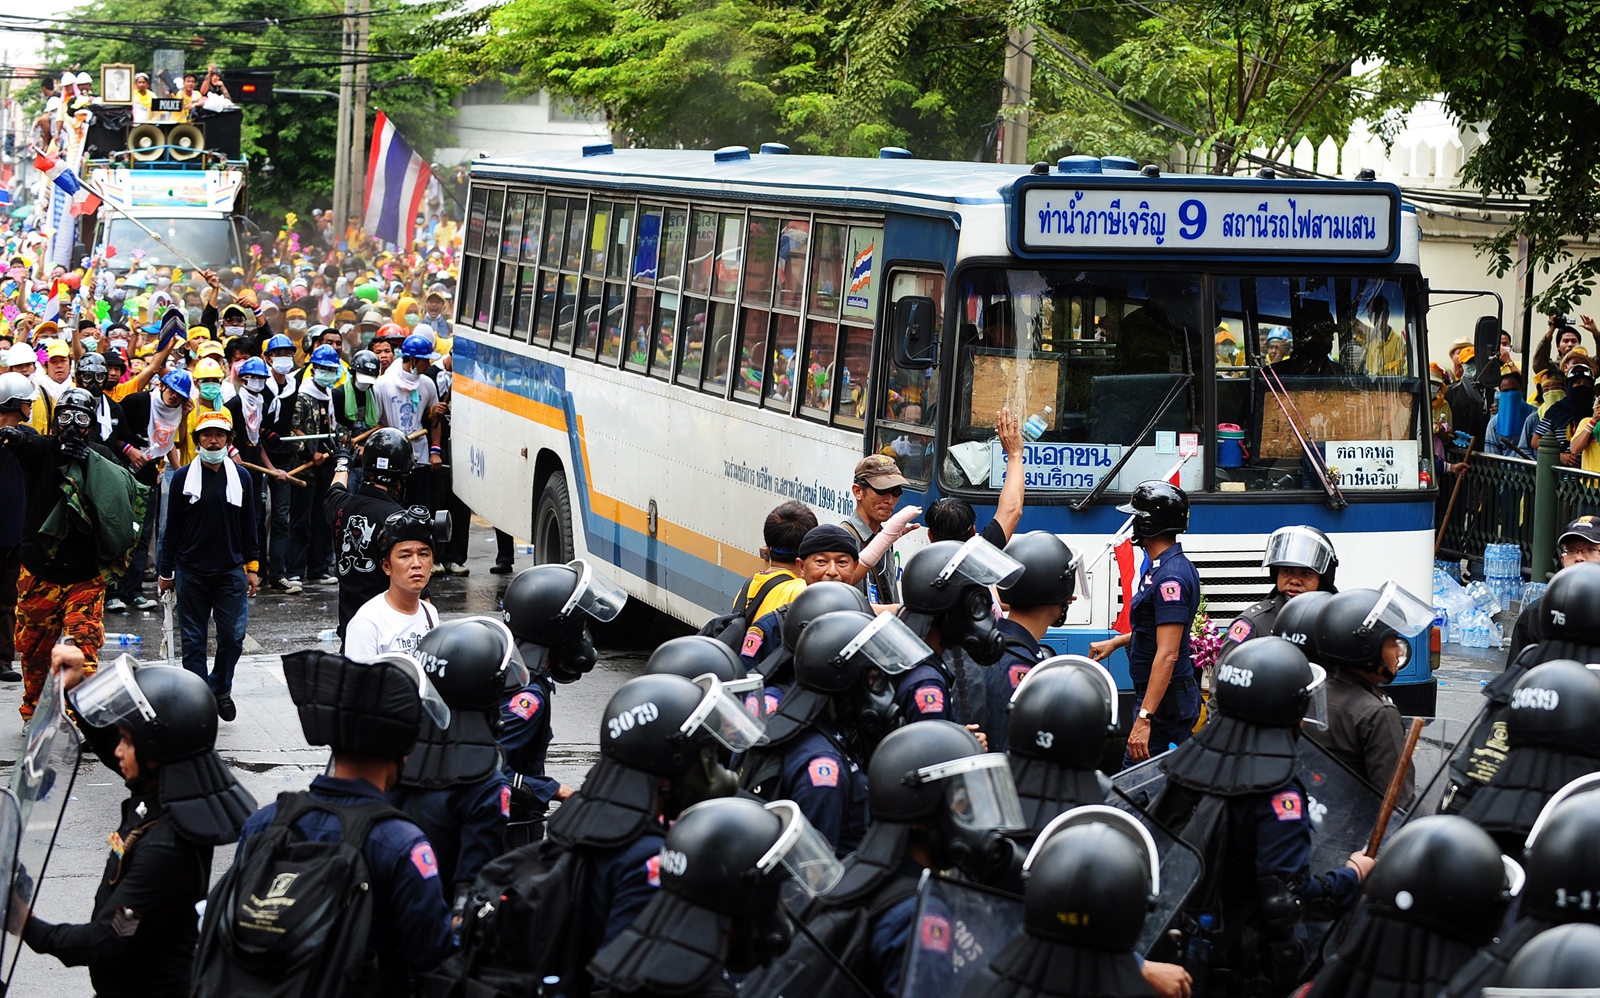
(213, 456)
(411, 318)
(90, 344)
(298, 325)
(326, 379)
(231, 331)
(257, 385)
(364, 381)
(210, 391)
(193, 315)
(283, 365)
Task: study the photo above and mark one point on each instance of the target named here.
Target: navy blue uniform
(466, 824)
(1269, 835)
(410, 919)
(761, 639)
(525, 738)
(923, 695)
(624, 880)
(1000, 680)
(1169, 593)
(893, 932)
(829, 785)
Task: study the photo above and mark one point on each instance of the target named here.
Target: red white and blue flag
(397, 180)
(84, 201)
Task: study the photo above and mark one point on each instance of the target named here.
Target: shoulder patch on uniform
(1171, 592)
(1288, 806)
(424, 860)
(752, 641)
(524, 705)
(505, 802)
(1016, 672)
(929, 699)
(1240, 630)
(934, 933)
(824, 771)
(652, 870)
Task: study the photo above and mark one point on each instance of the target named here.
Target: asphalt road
(266, 751)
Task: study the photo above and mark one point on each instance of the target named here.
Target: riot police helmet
(656, 724)
(838, 648)
(1564, 960)
(696, 655)
(915, 769)
(1268, 682)
(1557, 705)
(1050, 571)
(814, 601)
(728, 853)
(1157, 508)
(1300, 546)
(387, 457)
(1090, 879)
(942, 575)
(1571, 605)
(1562, 858)
(551, 595)
(1445, 874)
(1369, 628)
(1063, 711)
(1297, 622)
(472, 662)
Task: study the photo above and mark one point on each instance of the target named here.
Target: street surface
(266, 751)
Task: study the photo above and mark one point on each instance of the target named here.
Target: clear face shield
(1087, 665)
(888, 645)
(1398, 609)
(511, 663)
(725, 717)
(982, 563)
(978, 791)
(432, 703)
(595, 594)
(803, 851)
(1317, 698)
(111, 695)
(1118, 821)
(1301, 547)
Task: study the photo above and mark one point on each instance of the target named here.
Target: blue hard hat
(1279, 333)
(418, 345)
(179, 381)
(325, 356)
(254, 367)
(279, 342)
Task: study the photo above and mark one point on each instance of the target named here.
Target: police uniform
(141, 940)
(830, 786)
(411, 921)
(1000, 680)
(1364, 730)
(898, 929)
(1256, 620)
(623, 881)
(1169, 593)
(356, 519)
(466, 824)
(923, 694)
(761, 639)
(525, 738)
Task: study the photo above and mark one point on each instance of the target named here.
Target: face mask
(193, 315)
(231, 331)
(568, 661)
(283, 365)
(981, 853)
(257, 385)
(325, 378)
(210, 391)
(970, 624)
(705, 779)
(411, 319)
(213, 456)
(90, 344)
(873, 709)
(364, 381)
(298, 325)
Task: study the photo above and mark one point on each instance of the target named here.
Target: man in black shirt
(16, 406)
(356, 517)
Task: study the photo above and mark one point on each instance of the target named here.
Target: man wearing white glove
(877, 488)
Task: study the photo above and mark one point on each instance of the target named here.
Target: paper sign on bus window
(1188, 444)
(1166, 441)
(1076, 467)
(1373, 464)
(861, 275)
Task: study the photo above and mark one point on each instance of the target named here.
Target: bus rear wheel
(552, 523)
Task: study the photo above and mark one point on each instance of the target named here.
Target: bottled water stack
(1502, 568)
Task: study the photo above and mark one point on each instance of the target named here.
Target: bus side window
(909, 399)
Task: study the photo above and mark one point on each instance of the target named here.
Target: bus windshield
(1088, 359)
(206, 241)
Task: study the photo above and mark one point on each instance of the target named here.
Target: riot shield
(958, 929)
(10, 833)
(41, 783)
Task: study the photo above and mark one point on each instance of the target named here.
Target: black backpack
(293, 919)
(730, 628)
(525, 920)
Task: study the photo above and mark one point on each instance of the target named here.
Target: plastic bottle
(524, 549)
(122, 638)
(1200, 944)
(331, 634)
(1035, 425)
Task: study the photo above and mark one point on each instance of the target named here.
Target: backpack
(294, 917)
(846, 930)
(524, 921)
(730, 628)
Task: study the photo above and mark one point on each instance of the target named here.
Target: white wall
(487, 122)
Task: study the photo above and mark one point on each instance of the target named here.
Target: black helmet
(814, 601)
(1301, 547)
(78, 402)
(694, 656)
(1571, 605)
(1556, 704)
(1062, 712)
(1266, 682)
(1090, 879)
(1297, 622)
(551, 605)
(1354, 626)
(92, 373)
(716, 855)
(1562, 960)
(1446, 874)
(947, 583)
(387, 457)
(472, 662)
(1563, 858)
(413, 523)
(655, 724)
(838, 648)
(1049, 570)
(366, 362)
(1157, 508)
(895, 792)
(920, 586)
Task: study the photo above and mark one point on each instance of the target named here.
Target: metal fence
(1495, 506)
(1577, 493)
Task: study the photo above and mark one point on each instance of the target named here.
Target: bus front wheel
(552, 523)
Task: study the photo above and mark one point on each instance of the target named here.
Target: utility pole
(1014, 95)
(341, 148)
(358, 116)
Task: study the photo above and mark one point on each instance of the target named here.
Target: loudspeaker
(185, 142)
(145, 142)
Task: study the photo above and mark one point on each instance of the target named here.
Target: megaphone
(145, 142)
(186, 142)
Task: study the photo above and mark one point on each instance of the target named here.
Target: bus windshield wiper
(1291, 412)
(1173, 394)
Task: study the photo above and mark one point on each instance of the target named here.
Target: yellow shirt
(1589, 460)
(781, 595)
(1388, 357)
(117, 393)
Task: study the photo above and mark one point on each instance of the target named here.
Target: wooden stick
(270, 473)
(418, 435)
(1391, 796)
(1455, 493)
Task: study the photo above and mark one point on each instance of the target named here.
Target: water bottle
(1200, 944)
(122, 638)
(331, 634)
(1035, 425)
(524, 549)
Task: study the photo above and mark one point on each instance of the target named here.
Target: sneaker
(10, 675)
(144, 603)
(115, 605)
(323, 580)
(288, 585)
(438, 568)
(501, 568)
(225, 708)
(456, 568)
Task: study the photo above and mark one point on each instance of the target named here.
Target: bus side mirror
(916, 341)
(1486, 351)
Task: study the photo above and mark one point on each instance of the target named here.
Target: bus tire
(552, 523)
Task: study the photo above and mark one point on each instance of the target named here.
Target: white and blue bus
(655, 347)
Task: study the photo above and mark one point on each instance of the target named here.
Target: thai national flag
(397, 179)
(84, 201)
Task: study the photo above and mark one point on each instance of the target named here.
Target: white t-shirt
(403, 408)
(378, 629)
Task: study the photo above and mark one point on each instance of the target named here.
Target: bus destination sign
(1193, 219)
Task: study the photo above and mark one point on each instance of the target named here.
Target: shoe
(10, 675)
(501, 568)
(144, 603)
(438, 568)
(323, 580)
(456, 568)
(225, 708)
(115, 605)
(287, 585)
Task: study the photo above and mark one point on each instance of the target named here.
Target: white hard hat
(16, 388)
(83, 78)
(19, 354)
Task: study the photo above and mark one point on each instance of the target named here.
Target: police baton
(1391, 797)
(272, 474)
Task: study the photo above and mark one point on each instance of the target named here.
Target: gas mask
(970, 625)
(980, 806)
(870, 713)
(758, 940)
(568, 661)
(705, 778)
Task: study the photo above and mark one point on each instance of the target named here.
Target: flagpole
(106, 202)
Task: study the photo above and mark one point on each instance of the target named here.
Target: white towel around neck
(192, 480)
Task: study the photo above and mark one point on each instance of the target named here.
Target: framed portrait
(116, 83)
